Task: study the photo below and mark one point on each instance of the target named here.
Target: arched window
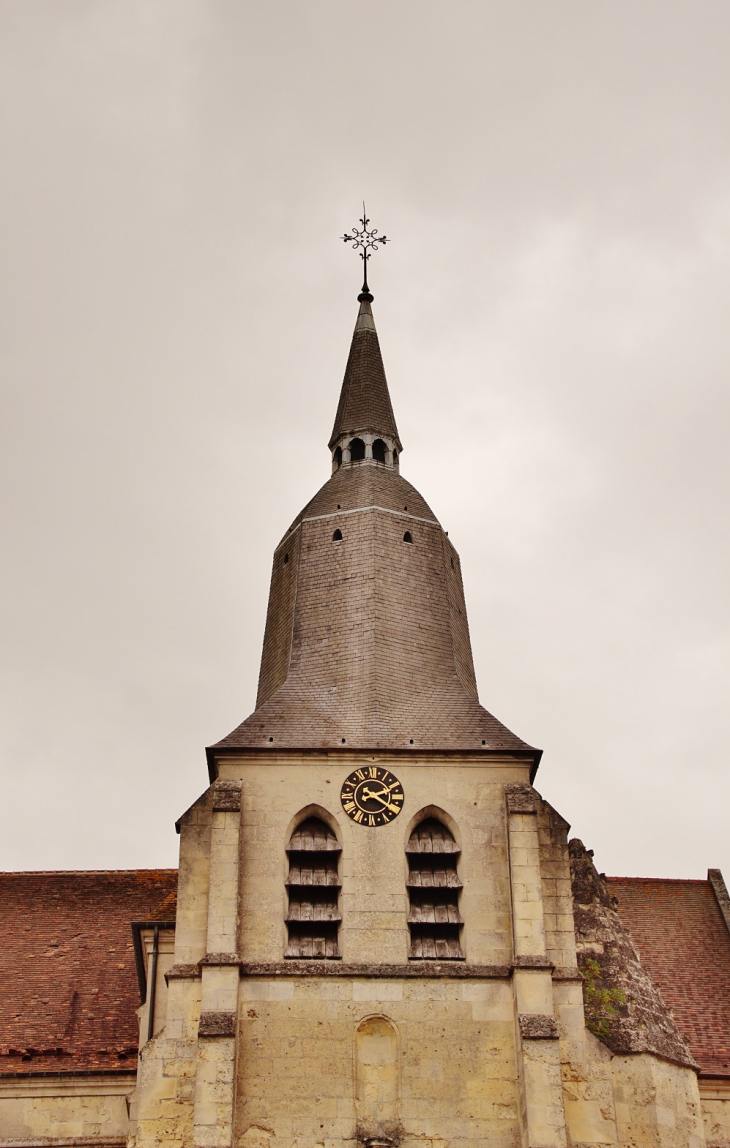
(357, 449)
(434, 920)
(337, 536)
(395, 458)
(338, 457)
(407, 537)
(313, 916)
(379, 449)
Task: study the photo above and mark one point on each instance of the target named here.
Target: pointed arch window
(357, 449)
(313, 884)
(379, 449)
(338, 457)
(434, 920)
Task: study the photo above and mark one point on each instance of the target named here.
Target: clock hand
(367, 794)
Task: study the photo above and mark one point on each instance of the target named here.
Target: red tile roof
(68, 984)
(683, 941)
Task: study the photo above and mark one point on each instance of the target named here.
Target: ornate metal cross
(365, 242)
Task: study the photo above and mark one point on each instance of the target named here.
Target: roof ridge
(79, 872)
(668, 880)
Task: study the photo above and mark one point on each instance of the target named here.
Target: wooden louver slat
(431, 837)
(313, 911)
(308, 871)
(313, 836)
(435, 947)
(428, 876)
(311, 945)
(427, 913)
(433, 886)
(313, 884)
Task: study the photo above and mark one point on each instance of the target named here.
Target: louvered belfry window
(313, 884)
(433, 893)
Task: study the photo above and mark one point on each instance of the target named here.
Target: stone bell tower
(375, 935)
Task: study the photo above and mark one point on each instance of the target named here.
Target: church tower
(375, 943)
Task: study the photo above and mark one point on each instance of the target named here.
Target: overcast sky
(176, 313)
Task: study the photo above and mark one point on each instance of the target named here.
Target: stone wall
(65, 1111)
(377, 1050)
(637, 1018)
(715, 1099)
(657, 1103)
(308, 1076)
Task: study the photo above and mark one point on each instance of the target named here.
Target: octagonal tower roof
(367, 643)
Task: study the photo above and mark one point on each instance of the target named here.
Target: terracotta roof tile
(68, 982)
(682, 939)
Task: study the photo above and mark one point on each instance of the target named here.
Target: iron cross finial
(365, 242)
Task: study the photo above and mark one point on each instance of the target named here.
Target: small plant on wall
(599, 1002)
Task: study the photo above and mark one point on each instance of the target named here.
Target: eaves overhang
(213, 755)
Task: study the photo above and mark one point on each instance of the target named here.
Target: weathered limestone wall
(542, 1112)
(643, 1098)
(309, 1074)
(715, 1100)
(657, 1103)
(65, 1111)
(162, 1103)
(297, 1054)
(468, 797)
(453, 1076)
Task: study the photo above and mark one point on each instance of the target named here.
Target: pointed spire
(365, 406)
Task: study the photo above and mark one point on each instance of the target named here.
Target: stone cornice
(427, 970)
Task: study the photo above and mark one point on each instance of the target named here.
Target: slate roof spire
(367, 642)
(364, 406)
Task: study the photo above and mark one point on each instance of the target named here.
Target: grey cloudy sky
(176, 313)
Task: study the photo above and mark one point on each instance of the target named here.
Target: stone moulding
(65, 1142)
(217, 1024)
(182, 973)
(537, 1026)
(520, 798)
(331, 969)
(426, 970)
(536, 961)
(227, 796)
(563, 973)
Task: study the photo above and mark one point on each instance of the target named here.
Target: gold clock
(372, 796)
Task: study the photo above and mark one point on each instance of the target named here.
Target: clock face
(372, 796)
